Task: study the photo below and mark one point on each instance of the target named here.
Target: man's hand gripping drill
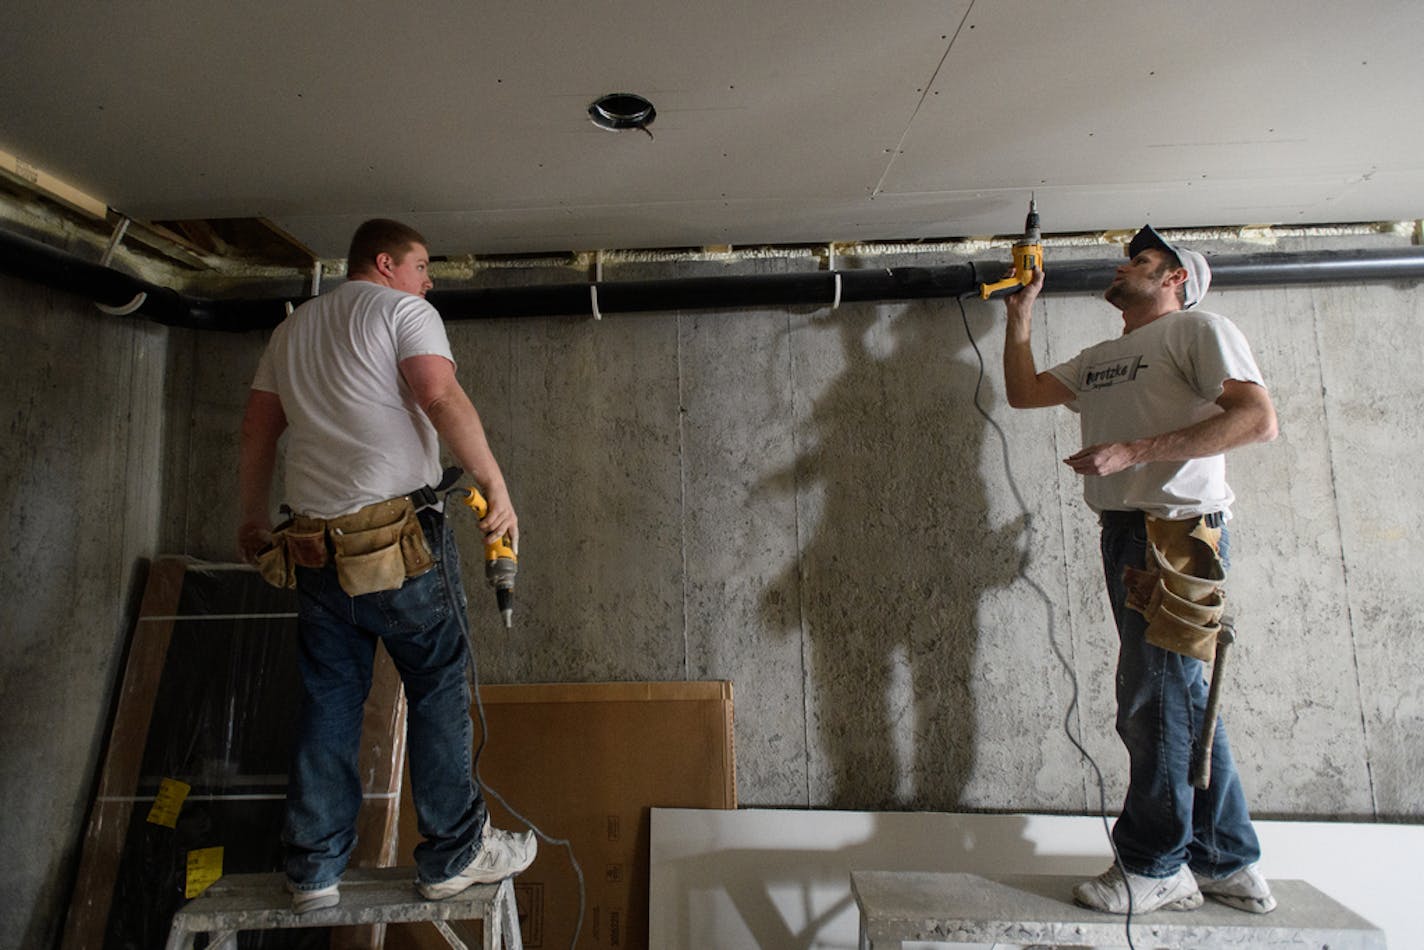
(501, 558)
(1028, 262)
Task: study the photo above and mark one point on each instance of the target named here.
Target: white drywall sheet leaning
(760, 878)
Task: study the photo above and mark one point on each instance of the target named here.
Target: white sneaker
(501, 855)
(1108, 892)
(303, 901)
(1245, 890)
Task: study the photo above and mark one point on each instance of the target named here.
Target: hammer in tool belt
(1201, 762)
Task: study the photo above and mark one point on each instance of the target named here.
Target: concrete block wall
(806, 502)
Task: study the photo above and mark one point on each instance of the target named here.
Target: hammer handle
(1200, 774)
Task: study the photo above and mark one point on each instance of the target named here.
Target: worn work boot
(1108, 892)
(502, 854)
(1245, 890)
(303, 901)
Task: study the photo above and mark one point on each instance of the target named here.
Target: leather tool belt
(1181, 592)
(374, 548)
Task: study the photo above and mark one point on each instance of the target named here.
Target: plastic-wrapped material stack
(193, 781)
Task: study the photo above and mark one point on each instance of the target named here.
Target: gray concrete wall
(84, 396)
(807, 503)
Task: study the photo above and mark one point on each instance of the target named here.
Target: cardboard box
(586, 762)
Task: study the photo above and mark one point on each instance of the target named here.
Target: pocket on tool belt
(415, 549)
(369, 560)
(1184, 605)
(1189, 627)
(378, 547)
(306, 544)
(274, 565)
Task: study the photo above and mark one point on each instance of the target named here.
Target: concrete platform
(897, 906)
(239, 902)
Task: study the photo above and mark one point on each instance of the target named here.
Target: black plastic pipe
(39, 263)
(1266, 269)
(31, 260)
(811, 288)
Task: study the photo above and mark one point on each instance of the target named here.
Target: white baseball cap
(1198, 273)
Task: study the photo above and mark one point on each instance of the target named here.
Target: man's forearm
(263, 422)
(1230, 429)
(458, 423)
(254, 489)
(1024, 386)
(1020, 373)
(1247, 417)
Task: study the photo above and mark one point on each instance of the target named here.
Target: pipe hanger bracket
(593, 287)
(115, 239)
(124, 309)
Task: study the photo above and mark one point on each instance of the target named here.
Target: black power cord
(491, 792)
(1048, 606)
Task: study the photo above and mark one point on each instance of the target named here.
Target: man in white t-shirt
(362, 382)
(1159, 406)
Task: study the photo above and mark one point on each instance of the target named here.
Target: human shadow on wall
(897, 552)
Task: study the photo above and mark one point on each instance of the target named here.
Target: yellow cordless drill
(1028, 255)
(501, 563)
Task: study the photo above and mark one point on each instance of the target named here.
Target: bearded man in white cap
(1159, 406)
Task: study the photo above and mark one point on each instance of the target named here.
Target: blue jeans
(1161, 701)
(422, 625)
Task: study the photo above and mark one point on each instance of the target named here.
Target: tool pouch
(379, 546)
(273, 563)
(306, 542)
(296, 542)
(1180, 592)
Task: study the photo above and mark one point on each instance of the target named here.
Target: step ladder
(1038, 909)
(239, 902)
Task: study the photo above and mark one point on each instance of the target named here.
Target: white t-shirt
(1158, 378)
(355, 433)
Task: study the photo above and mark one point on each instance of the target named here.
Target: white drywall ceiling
(786, 122)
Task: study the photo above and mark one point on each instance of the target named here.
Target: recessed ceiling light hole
(620, 111)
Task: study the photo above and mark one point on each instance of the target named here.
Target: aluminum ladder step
(239, 902)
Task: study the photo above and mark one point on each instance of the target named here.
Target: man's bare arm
(1247, 416)
(1024, 385)
(439, 393)
(263, 422)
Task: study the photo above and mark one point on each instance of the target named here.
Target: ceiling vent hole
(620, 111)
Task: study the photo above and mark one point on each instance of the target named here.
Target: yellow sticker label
(171, 795)
(204, 867)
